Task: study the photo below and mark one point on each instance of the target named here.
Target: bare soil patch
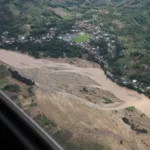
(80, 117)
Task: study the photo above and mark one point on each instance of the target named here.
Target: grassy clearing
(81, 38)
(107, 100)
(68, 17)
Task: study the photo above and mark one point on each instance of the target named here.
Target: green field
(81, 38)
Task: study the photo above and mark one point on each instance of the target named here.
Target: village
(95, 33)
(81, 34)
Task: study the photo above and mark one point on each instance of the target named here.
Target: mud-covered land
(77, 104)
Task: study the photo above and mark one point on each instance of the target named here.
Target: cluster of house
(6, 39)
(135, 84)
(95, 33)
(80, 28)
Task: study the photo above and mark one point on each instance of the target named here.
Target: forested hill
(134, 11)
(19, 16)
(134, 16)
(15, 15)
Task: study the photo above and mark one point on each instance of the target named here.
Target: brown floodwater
(130, 97)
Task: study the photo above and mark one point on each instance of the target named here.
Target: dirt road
(130, 98)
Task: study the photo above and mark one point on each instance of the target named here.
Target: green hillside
(135, 15)
(130, 20)
(21, 16)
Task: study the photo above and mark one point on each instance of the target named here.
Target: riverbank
(25, 62)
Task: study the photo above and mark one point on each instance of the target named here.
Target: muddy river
(130, 97)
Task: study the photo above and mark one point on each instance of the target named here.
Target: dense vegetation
(15, 15)
(81, 38)
(54, 48)
(131, 108)
(135, 17)
(44, 121)
(3, 72)
(12, 88)
(17, 76)
(134, 127)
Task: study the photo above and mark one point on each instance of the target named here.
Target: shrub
(44, 121)
(141, 130)
(107, 100)
(12, 88)
(3, 72)
(20, 78)
(132, 108)
(121, 142)
(126, 120)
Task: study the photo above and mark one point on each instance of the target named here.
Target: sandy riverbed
(131, 98)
